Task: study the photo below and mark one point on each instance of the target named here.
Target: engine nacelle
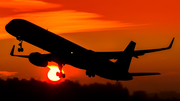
(38, 59)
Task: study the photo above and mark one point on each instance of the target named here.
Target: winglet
(170, 44)
(12, 51)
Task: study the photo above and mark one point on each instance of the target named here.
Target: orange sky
(103, 25)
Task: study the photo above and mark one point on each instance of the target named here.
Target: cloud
(26, 5)
(6, 73)
(65, 21)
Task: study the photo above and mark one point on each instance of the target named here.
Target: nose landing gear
(20, 49)
(20, 44)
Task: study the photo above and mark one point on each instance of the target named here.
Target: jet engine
(38, 59)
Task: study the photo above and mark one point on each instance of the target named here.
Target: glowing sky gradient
(100, 25)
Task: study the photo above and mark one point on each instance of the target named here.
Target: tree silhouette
(33, 90)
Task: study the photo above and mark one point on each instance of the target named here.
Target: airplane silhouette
(63, 51)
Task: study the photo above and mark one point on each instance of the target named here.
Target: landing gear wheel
(20, 49)
(63, 75)
(93, 75)
(90, 74)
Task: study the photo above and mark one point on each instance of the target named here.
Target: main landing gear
(90, 74)
(20, 44)
(61, 74)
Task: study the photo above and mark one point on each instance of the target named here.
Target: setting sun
(100, 26)
(52, 73)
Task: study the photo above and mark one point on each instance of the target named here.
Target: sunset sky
(100, 25)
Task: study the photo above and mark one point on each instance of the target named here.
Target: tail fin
(123, 62)
(130, 47)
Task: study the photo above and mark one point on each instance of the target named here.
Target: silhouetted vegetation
(34, 90)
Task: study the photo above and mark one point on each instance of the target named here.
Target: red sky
(100, 25)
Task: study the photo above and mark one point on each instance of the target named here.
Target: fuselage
(65, 50)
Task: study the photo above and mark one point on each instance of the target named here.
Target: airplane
(63, 51)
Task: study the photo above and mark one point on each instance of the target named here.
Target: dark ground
(35, 90)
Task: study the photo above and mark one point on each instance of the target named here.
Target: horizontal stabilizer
(144, 74)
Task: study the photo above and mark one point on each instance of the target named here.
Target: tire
(22, 49)
(63, 75)
(19, 49)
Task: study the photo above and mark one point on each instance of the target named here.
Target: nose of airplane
(13, 26)
(8, 27)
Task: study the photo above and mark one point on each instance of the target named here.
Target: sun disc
(52, 73)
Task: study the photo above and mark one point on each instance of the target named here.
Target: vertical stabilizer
(124, 61)
(130, 47)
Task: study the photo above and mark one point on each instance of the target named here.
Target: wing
(136, 53)
(142, 52)
(144, 74)
(110, 55)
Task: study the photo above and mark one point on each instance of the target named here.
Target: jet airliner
(63, 51)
